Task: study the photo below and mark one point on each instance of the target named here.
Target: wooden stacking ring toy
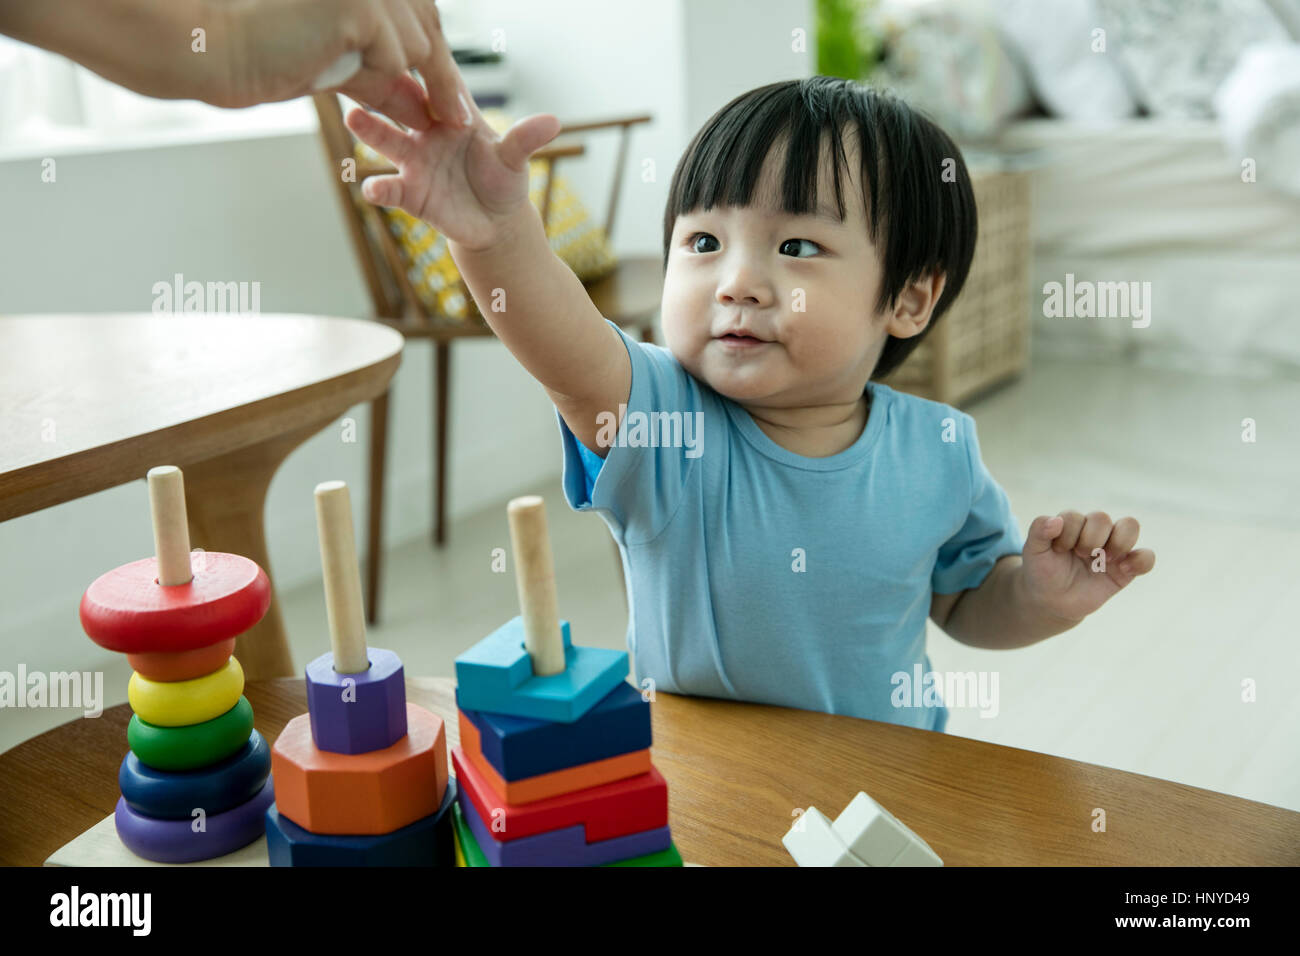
(174, 841)
(127, 610)
(181, 665)
(182, 702)
(216, 788)
(197, 745)
(357, 713)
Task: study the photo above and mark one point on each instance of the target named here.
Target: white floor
(1152, 683)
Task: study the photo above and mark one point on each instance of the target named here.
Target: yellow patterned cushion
(579, 242)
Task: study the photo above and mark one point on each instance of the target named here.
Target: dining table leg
(226, 500)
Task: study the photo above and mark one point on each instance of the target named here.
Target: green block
(474, 856)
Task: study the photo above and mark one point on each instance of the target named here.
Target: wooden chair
(629, 297)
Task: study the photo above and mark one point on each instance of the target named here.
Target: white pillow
(948, 59)
(1288, 13)
(1259, 113)
(1054, 39)
(1177, 52)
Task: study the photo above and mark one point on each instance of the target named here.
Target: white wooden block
(917, 853)
(870, 832)
(101, 846)
(812, 841)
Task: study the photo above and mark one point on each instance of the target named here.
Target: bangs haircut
(920, 224)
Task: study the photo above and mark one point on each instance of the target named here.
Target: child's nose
(745, 286)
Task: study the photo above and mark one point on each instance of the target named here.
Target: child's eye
(691, 242)
(808, 241)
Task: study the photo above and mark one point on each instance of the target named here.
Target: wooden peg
(338, 559)
(535, 580)
(171, 530)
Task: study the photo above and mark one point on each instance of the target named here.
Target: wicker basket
(984, 338)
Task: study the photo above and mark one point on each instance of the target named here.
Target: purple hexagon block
(357, 713)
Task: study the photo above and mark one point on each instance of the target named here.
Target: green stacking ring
(193, 746)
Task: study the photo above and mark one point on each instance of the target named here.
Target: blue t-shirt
(754, 573)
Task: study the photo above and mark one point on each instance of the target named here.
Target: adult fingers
(400, 98)
(442, 79)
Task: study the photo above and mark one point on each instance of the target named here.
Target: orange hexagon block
(369, 793)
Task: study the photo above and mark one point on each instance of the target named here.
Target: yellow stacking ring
(184, 702)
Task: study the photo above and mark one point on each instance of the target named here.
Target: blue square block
(519, 747)
(496, 675)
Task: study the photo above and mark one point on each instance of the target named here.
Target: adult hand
(237, 53)
(280, 47)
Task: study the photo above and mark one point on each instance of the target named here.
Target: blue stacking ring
(174, 795)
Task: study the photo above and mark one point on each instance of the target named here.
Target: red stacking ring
(127, 610)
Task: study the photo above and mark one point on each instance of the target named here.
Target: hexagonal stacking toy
(361, 778)
(196, 781)
(554, 758)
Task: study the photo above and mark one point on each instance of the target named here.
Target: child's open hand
(465, 183)
(1062, 575)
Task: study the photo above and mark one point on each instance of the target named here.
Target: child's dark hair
(926, 219)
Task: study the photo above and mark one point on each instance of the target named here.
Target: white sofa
(1163, 201)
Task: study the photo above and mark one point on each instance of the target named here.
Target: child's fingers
(1043, 530)
(1122, 538)
(1097, 527)
(525, 138)
(1138, 562)
(383, 137)
(383, 190)
(1069, 536)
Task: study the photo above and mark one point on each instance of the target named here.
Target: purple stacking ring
(357, 713)
(174, 841)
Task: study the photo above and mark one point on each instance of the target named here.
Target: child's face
(805, 285)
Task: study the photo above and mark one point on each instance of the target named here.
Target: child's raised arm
(472, 187)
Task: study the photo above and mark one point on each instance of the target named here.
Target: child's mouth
(741, 342)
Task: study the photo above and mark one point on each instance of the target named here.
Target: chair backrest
(382, 264)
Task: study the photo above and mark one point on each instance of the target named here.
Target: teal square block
(496, 675)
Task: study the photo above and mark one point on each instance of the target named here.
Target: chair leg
(375, 520)
(441, 377)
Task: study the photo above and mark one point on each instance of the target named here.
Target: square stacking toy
(496, 675)
(553, 767)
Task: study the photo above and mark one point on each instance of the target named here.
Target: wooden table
(736, 773)
(89, 402)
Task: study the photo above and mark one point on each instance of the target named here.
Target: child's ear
(915, 305)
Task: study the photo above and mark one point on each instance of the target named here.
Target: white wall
(261, 209)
